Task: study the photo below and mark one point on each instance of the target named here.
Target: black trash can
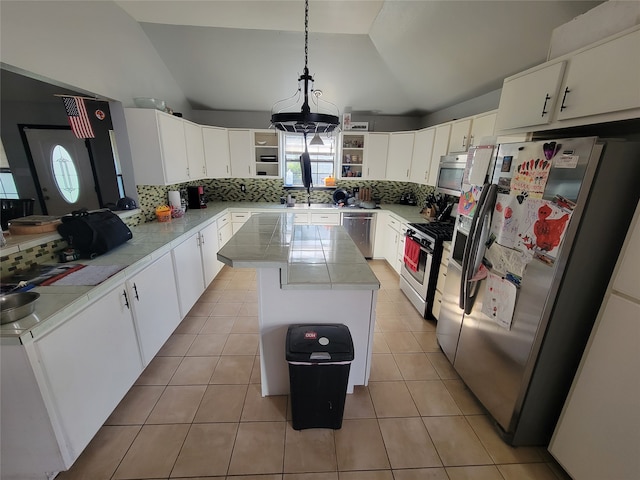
(319, 358)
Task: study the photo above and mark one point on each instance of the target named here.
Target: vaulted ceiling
(389, 57)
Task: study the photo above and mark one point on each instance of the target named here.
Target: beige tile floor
(196, 411)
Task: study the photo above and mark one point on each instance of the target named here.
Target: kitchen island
(311, 274)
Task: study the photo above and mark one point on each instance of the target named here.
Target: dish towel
(411, 253)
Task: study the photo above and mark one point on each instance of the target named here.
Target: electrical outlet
(243, 188)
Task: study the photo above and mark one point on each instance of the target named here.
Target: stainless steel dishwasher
(361, 227)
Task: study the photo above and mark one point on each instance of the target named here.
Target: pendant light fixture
(305, 121)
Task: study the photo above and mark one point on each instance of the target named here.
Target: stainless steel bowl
(14, 306)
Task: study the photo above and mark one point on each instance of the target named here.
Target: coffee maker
(195, 197)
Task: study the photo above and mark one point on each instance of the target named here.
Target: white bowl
(146, 102)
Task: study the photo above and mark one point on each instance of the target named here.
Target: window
(322, 158)
(7, 185)
(65, 174)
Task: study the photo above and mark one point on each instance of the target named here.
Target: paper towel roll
(174, 199)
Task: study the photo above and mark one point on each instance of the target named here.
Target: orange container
(163, 213)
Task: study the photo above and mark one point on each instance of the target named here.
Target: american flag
(78, 118)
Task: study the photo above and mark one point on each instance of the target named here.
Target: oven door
(419, 279)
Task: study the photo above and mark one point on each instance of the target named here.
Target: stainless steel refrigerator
(532, 253)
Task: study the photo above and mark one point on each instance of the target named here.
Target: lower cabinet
(156, 310)
(209, 250)
(86, 365)
(442, 277)
(325, 219)
(187, 263)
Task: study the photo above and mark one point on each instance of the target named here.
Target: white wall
(92, 46)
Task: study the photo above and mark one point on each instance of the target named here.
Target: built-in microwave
(450, 173)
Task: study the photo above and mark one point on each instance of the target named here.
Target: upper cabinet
(421, 157)
(482, 126)
(265, 144)
(241, 153)
(459, 140)
(158, 147)
(529, 99)
(352, 155)
(376, 156)
(602, 79)
(165, 149)
(195, 150)
(216, 152)
(440, 145)
(399, 157)
(595, 84)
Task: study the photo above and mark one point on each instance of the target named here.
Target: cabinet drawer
(325, 218)
(301, 218)
(240, 216)
(223, 220)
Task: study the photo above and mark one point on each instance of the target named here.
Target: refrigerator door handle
(467, 246)
(484, 211)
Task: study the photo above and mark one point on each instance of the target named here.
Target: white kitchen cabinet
(209, 251)
(529, 98)
(266, 153)
(225, 230)
(238, 219)
(442, 277)
(459, 139)
(87, 365)
(440, 146)
(421, 157)
(352, 154)
(392, 241)
(156, 311)
(241, 154)
(195, 150)
(158, 147)
(301, 218)
(482, 126)
(187, 264)
(216, 152)
(598, 433)
(399, 156)
(325, 219)
(602, 79)
(375, 156)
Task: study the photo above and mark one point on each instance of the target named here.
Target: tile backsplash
(216, 190)
(270, 190)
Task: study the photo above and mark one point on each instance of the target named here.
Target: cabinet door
(399, 157)
(216, 152)
(460, 132)
(421, 158)
(352, 155)
(195, 151)
(603, 79)
(266, 153)
(209, 249)
(89, 364)
(187, 264)
(154, 300)
(325, 219)
(225, 232)
(529, 99)
(440, 145)
(375, 156)
(174, 150)
(481, 127)
(241, 154)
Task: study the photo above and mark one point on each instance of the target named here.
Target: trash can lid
(305, 341)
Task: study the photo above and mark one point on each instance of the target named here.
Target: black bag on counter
(94, 233)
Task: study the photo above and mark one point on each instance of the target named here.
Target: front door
(64, 170)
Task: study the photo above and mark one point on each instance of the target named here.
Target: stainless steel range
(418, 276)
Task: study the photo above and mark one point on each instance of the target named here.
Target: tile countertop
(311, 257)
(152, 240)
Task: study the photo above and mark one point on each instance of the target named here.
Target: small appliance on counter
(195, 197)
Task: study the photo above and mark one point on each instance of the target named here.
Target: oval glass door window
(65, 174)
